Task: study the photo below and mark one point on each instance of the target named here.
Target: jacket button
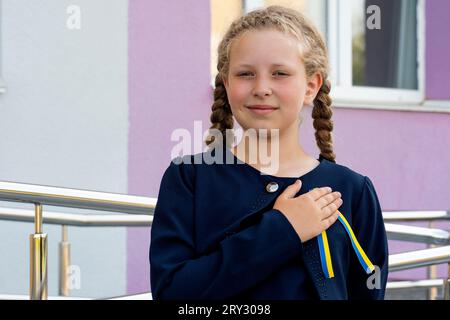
(272, 187)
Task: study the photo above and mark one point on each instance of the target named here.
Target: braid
(323, 124)
(221, 116)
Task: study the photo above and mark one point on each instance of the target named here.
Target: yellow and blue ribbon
(325, 255)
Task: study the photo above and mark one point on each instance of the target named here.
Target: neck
(278, 153)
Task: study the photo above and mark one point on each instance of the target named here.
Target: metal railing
(139, 212)
(64, 197)
(416, 234)
(415, 215)
(79, 220)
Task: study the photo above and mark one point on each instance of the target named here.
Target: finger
(332, 208)
(328, 222)
(328, 198)
(316, 193)
(292, 190)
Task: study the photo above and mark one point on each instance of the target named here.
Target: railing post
(64, 262)
(38, 258)
(432, 271)
(446, 284)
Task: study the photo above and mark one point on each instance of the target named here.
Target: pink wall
(169, 88)
(438, 49)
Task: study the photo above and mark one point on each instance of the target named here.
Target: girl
(311, 230)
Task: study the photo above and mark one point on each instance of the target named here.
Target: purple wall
(438, 49)
(169, 88)
(404, 153)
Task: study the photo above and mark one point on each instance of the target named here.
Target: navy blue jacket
(215, 235)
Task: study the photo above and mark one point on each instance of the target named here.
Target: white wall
(64, 122)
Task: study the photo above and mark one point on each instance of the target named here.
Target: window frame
(339, 36)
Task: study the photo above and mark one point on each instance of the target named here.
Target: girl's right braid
(221, 117)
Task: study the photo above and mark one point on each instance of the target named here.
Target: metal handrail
(81, 220)
(417, 234)
(75, 198)
(415, 215)
(64, 197)
(422, 216)
(419, 258)
(408, 284)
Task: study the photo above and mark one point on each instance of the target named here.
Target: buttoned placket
(310, 247)
(269, 191)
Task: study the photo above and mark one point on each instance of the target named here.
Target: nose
(262, 88)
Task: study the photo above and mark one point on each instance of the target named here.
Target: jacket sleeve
(238, 262)
(369, 229)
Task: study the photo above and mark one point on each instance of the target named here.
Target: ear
(313, 87)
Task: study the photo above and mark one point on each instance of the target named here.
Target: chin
(261, 128)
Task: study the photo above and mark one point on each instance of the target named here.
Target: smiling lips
(261, 109)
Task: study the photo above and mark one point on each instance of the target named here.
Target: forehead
(265, 47)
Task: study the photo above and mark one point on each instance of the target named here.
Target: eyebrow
(273, 65)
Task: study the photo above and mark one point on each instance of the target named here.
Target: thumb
(291, 190)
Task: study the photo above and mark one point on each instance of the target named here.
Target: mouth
(262, 109)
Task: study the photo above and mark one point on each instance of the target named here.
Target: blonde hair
(313, 54)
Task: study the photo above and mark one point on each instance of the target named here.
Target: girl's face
(266, 71)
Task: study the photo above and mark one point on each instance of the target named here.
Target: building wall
(438, 48)
(64, 121)
(169, 88)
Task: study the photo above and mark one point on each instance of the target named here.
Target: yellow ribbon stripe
(327, 254)
(359, 250)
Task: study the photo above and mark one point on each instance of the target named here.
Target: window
(375, 47)
(387, 57)
(376, 52)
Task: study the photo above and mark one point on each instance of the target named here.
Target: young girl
(311, 230)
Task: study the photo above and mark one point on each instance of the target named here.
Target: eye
(244, 74)
(281, 73)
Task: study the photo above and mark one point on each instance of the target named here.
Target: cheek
(291, 96)
(237, 94)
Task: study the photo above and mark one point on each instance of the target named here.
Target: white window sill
(386, 99)
(439, 106)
